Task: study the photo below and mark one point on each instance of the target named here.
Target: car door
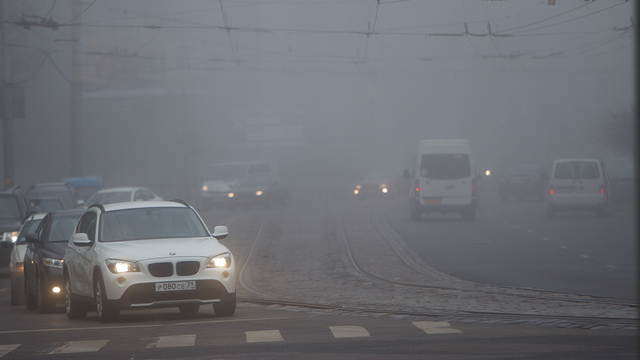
(79, 258)
(31, 254)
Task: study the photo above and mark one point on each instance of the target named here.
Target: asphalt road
(349, 257)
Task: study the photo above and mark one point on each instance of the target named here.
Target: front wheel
(45, 303)
(74, 308)
(30, 299)
(551, 212)
(225, 308)
(105, 312)
(469, 214)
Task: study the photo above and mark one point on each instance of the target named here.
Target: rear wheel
(75, 309)
(16, 294)
(551, 212)
(469, 214)
(105, 312)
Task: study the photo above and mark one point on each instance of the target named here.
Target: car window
(445, 166)
(150, 223)
(577, 170)
(87, 224)
(62, 228)
(255, 180)
(29, 228)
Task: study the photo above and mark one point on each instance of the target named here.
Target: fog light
(384, 190)
(225, 274)
(56, 290)
(356, 191)
(121, 280)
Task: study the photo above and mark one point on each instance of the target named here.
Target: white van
(220, 177)
(443, 179)
(578, 184)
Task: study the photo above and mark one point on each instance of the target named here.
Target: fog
(326, 90)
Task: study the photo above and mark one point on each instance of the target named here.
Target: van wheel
(415, 215)
(602, 212)
(469, 214)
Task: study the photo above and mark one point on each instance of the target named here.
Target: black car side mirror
(32, 239)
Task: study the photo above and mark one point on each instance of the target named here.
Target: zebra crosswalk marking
(348, 331)
(436, 327)
(5, 349)
(79, 346)
(172, 341)
(263, 336)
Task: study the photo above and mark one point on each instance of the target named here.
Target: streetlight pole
(6, 102)
(75, 124)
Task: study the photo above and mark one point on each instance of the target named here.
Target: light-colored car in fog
(122, 194)
(221, 177)
(578, 184)
(147, 254)
(16, 264)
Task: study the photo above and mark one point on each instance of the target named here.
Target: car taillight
(552, 190)
(602, 189)
(417, 184)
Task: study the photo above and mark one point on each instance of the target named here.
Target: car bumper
(584, 202)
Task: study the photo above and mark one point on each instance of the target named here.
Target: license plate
(176, 286)
(432, 201)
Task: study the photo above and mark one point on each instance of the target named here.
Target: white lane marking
(585, 256)
(563, 247)
(144, 326)
(436, 327)
(263, 336)
(172, 341)
(79, 346)
(348, 331)
(5, 349)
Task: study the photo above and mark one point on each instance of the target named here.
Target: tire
(75, 309)
(44, 301)
(469, 214)
(601, 212)
(225, 308)
(30, 299)
(414, 214)
(105, 312)
(189, 308)
(17, 296)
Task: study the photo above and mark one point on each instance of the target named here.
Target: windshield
(49, 205)
(9, 208)
(62, 227)
(226, 172)
(110, 197)
(445, 166)
(254, 180)
(63, 195)
(150, 223)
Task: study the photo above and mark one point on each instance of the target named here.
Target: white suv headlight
(220, 261)
(121, 266)
(54, 263)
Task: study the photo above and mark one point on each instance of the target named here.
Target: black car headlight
(53, 263)
(219, 261)
(121, 266)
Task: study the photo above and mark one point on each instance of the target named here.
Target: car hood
(137, 250)
(55, 249)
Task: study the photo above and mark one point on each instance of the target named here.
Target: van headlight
(219, 261)
(121, 266)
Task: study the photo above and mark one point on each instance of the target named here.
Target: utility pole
(75, 124)
(6, 102)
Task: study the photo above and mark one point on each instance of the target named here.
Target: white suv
(578, 184)
(147, 254)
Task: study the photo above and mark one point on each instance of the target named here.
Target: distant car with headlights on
(221, 177)
(43, 282)
(145, 255)
(258, 189)
(523, 180)
(16, 264)
(381, 182)
(14, 210)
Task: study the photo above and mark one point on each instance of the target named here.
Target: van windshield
(226, 172)
(445, 166)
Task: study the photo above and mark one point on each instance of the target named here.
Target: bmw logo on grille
(172, 253)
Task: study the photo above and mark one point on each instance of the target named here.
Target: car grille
(183, 268)
(187, 268)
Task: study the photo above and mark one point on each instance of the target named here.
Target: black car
(63, 191)
(258, 189)
(523, 180)
(43, 279)
(14, 210)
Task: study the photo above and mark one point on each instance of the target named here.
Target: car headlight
(259, 192)
(358, 187)
(220, 261)
(54, 263)
(205, 188)
(230, 195)
(121, 266)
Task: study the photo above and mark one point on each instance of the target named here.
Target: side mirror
(32, 239)
(80, 203)
(406, 174)
(220, 232)
(80, 239)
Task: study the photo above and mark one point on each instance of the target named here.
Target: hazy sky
(167, 81)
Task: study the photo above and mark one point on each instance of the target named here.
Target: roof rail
(99, 206)
(180, 201)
